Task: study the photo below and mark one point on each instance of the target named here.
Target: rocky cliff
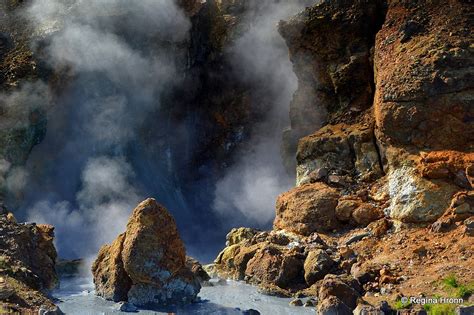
(385, 89)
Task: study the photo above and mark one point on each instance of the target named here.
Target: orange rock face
(307, 209)
(146, 265)
(424, 93)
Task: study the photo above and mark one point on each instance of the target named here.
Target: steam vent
(306, 156)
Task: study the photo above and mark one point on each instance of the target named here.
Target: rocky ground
(382, 130)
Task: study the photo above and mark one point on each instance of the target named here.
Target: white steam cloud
(251, 186)
(104, 202)
(121, 55)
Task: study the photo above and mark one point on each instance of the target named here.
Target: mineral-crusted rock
(340, 149)
(414, 199)
(111, 280)
(238, 235)
(307, 209)
(146, 265)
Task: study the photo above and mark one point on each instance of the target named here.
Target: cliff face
(386, 90)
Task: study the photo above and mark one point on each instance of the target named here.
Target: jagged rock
(110, 278)
(340, 149)
(146, 265)
(419, 81)
(307, 209)
(29, 246)
(235, 236)
(366, 309)
(316, 266)
(331, 78)
(296, 302)
(379, 227)
(365, 272)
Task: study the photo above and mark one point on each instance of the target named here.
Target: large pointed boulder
(146, 265)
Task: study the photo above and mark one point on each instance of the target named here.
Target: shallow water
(76, 296)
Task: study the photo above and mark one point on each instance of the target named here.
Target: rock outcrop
(27, 265)
(384, 118)
(146, 265)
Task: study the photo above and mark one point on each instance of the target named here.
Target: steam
(104, 206)
(121, 55)
(260, 57)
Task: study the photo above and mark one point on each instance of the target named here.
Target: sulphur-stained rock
(317, 265)
(27, 265)
(146, 265)
(307, 209)
(414, 199)
(29, 247)
(238, 235)
(197, 269)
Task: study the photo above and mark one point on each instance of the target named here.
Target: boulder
(307, 209)
(317, 265)
(146, 265)
(414, 199)
(333, 306)
(366, 213)
(345, 289)
(271, 265)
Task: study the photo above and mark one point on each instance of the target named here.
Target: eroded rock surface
(146, 265)
(27, 265)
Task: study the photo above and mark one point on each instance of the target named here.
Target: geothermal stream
(76, 297)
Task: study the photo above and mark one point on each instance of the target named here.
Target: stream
(76, 296)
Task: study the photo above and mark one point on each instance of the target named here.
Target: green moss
(440, 309)
(399, 305)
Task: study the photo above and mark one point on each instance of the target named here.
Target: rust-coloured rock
(146, 265)
(307, 209)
